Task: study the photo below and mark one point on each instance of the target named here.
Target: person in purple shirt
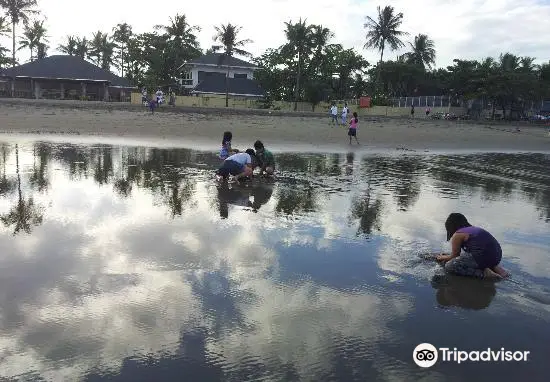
(482, 252)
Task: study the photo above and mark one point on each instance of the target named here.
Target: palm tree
(227, 36)
(121, 36)
(422, 51)
(34, 38)
(69, 47)
(102, 49)
(6, 185)
(82, 47)
(25, 214)
(17, 11)
(384, 32)
(4, 31)
(300, 43)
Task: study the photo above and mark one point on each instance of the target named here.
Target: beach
(282, 132)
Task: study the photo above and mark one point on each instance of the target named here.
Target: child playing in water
(226, 149)
(266, 162)
(240, 165)
(352, 131)
(482, 251)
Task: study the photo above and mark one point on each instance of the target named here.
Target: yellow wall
(218, 101)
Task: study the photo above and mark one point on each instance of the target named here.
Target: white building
(206, 75)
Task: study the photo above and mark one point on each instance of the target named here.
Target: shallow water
(131, 264)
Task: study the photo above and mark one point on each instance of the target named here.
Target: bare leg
(357, 140)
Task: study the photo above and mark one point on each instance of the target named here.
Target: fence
(424, 101)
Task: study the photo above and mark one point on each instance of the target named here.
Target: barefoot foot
(489, 274)
(501, 271)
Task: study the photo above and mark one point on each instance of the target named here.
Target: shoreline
(280, 133)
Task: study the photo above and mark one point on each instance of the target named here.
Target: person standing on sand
(334, 114)
(482, 254)
(412, 111)
(152, 104)
(352, 131)
(345, 112)
(428, 111)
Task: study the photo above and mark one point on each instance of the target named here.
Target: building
(64, 77)
(206, 75)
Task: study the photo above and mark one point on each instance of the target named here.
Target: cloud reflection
(140, 256)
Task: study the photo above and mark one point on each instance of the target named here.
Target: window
(240, 75)
(187, 78)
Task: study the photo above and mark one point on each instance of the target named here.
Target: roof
(65, 67)
(218, 59)
(237, 86)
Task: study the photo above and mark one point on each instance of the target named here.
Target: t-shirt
(334, 110)
(266, 158)
(353, 123)
(345, 111)
(241, 158)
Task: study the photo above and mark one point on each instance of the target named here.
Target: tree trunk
(297, 90)
(122, 62)
(227, 86)
(379, 79)
(13, 58)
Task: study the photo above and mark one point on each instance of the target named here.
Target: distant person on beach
(412, 111)
(352, 131)
(428, 110)
(144, 97)
(482, 252)
(334, 114)
(265, 158)
(345, 112)
(160, 96)
(226, 149)
(152, 104)
(240, 165)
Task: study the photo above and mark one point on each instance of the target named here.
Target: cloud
(470, 29)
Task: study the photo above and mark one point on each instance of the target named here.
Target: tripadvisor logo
(426, 355)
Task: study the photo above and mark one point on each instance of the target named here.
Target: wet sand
(309, 132)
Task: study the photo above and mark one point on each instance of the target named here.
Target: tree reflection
(103, 166)
(7, 185)
(25, 213)
(400, 175)
(39, 177)
(368, 210)
(292, 200)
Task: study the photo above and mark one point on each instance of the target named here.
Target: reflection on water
(132, 263)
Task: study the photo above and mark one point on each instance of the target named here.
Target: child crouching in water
(226, 149)
(352, 131)
(482, 254)
(265, 158)
(240, 165)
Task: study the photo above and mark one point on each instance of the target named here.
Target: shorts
(352, 132)
(344, 118)
(334, 117)
(230, 167)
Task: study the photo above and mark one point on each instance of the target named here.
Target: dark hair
(454, 222)
(250, 152)
(227, 136)
(258, 145)
(355, 116)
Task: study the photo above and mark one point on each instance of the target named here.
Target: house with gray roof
(64, 77)
(206, 75)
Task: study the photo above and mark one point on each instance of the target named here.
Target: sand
(128, 124)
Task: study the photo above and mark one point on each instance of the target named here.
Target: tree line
(309, 66)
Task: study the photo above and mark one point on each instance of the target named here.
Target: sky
(471, 29)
